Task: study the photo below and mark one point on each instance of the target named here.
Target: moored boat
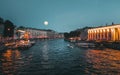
(86, 45)
(21, 44)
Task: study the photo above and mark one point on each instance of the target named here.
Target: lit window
(95, 31)
(112, 30)
(104, 30)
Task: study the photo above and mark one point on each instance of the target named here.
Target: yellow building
(106, 33)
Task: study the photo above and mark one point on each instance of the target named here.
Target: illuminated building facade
(106, 33)
(38, 33)
(32, 33)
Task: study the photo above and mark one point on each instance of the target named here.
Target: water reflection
(54, 57)
(105, 61)
(45, 52)
(8, 61)
(45, 57)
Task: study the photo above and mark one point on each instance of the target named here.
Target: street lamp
(8, 29)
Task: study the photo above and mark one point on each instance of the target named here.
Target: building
(36, 33)
(31, 33)
(61, 35)
(52, 34)
(109, 33)
(83, 35)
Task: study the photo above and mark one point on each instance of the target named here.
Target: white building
(38, 33)
(109, 33)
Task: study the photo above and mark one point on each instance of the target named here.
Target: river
(55, 57)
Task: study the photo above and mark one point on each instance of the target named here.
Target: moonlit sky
(62, 15)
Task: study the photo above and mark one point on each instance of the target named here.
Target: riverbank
(93, 44)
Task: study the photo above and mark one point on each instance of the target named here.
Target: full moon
(46, 23)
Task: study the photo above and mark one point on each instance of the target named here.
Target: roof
(108, 26)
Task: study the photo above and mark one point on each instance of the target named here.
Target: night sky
(62, 15)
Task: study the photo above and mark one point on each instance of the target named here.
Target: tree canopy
(8, 28)
(1, 20)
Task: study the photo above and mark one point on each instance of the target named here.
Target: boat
(70, 46)
(86, 45)
(21, 44)
(32, 43)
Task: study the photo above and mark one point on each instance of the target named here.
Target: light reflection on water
(54, 57)
(105, 61)
(9, 61)
(45, 57)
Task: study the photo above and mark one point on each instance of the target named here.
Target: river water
(55, 57)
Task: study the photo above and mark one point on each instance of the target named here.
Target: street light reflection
(104, 61)
(8, 60)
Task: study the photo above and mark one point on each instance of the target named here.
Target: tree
(66, 35)
(1, 20)
(21, 27)
(8, 29)
(75, 33)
